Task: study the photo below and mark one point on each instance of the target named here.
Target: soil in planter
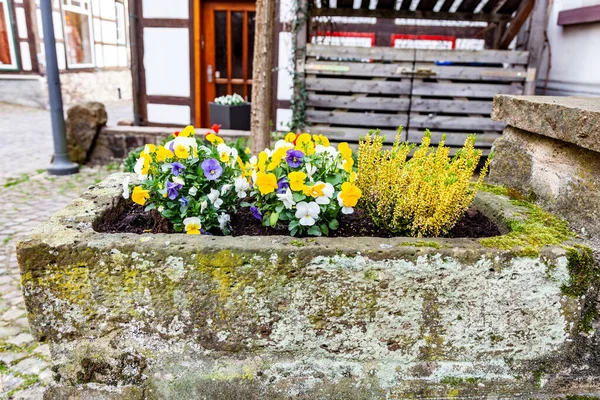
(134, 219)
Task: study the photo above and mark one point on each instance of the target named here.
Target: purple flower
(212, 169)
(282, 185)
(294, 158)
(177, 168)
(203, 232)
(184, 202)
(257, 214)
(173, 190)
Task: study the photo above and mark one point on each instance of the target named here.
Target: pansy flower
(173, 190)
(177, 168)
(212, 169)
(294, 158)
(256, 213)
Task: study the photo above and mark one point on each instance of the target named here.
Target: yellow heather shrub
(422, 196)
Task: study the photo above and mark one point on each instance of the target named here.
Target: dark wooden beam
(386, 4)
(345, 3)
(468, 5)
(489, 6)
(509, 6)
(380, 13)
(426, 5)
(516, 23)
(583, 15)
(447, 4)
(387, 27)
(405, 4)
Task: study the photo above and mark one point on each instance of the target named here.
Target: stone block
(187, 317)
(83, 125)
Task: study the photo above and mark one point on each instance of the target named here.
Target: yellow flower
(140, 195)
(348, 163)
(163, 153)
(276, 158)
(322, 140)
(181, 150)
(149, 149)
(247, 150)
(305, 143)
(214, 139)
(192, 225)
(314, 191)
(187, 131)
(290, 137)
(352, 176)
(262, 160)
(296, 180)
(345, 150)
(350, 194)
(267, 183)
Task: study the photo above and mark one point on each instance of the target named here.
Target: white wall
(575, 64)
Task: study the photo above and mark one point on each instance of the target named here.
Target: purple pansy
(257, 214)
(282, 185)
(212, 169)
(294, 158)
(173, 190)
(184, 202)
(177, 168)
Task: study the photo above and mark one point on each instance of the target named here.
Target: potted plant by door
(231, 112)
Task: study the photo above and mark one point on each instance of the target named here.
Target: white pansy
(179, 180)
(307, 213)
(310, 170)
(166, 167)
(161, 208)
(126, 187)
(241, 185)
(139, 166)
(225, 188)
(287, 199)
(327, 193)
(283, 143)
(192, 223)
(193, 191)
(253, 161)
(214, 198)
(203, 206)
(224, 220)
(345, 210)
(204, 150)
(230, 100)
(189, 143)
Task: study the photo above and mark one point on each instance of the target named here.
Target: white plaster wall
(284, 117)
(25, 56)
(169, 114)
(165, 9)
(167, 61)
(575, 54)
(284, 76)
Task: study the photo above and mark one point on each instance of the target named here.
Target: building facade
(92, 44)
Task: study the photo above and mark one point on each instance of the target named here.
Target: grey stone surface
(83, 124)
(573, 120)
(264, 317)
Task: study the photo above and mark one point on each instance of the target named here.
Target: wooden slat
(229, 52)
(395, 70)
(452, 122)
(455, 138)
(391, 54)
(468, 5)
(463, 89)
(417, 14)
(353, 135)
(405, 4)
(426, 5)
(369, 120)
(361, 103)
(582, 15)
(451, 106)
(357, 86)
(386, 4)
(447, 4)
(345, 3)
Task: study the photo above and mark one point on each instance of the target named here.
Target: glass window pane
(5, 38)
(221, 44)
(237, 45)
(77, 30)
(239, 89)
(251, 20)
(121, 34)
(221, 90)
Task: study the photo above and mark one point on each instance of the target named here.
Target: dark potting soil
(133, 219)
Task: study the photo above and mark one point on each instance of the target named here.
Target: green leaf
(334, 180)
(298, 197)
(279, 208)
(293, 231)
(274, 218)
(245, 204)
(293, 224)
(324, 229)
(314, 231)
(150, 207)
(334, 224)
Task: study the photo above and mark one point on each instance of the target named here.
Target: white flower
(204, 150)
(253, 161)
(161, 208)
(183, 142)
(345, 210)
(192, 225)
(307, 212)
(213, 196)
(179, 180)
(139, 166)
(224, 220)
(193, 191)
(241, 185)
(203, 206)
(126, 187)
(225, 188)
(283, 143)
(327, 194)
(287, 199)
(310, 170)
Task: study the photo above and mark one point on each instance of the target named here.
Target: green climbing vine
(299, 94)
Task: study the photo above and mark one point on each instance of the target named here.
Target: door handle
(209, 72)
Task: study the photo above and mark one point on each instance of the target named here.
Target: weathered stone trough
(186, 317)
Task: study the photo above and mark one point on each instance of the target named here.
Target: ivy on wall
(299, 93)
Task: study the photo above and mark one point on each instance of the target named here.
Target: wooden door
(227, 41)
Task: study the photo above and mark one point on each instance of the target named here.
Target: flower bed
(184, 316)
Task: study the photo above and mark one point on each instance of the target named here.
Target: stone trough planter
(188, 317)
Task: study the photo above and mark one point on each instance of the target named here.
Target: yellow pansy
(181, 150)
(187, 131)
(315, 190)
(267, 183)
(149, 148)
(350, 194)
(322, 140)
(163, 153)
(192, 225)
(262, 160)
(345, 150)
(214, 139)
(247, 150)
(290, 137)
(305, 143)
(352, 176)
(276, 158)
(348, 163)
(139, 195)
(296, 180)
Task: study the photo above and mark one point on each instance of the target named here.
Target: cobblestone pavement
(28, 196)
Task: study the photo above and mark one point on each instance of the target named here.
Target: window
(8, 59)
(121, 32)
(78, 33)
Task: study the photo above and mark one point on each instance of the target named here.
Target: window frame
(12, 42)
(123, 41)
(78, 10)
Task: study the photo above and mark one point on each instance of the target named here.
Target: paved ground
(27, 197)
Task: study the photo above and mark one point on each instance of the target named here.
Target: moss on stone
(422, 243)
(459, 381)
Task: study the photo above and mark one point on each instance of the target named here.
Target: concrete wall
(575, 56)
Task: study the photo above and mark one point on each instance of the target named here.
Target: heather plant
(422, 196)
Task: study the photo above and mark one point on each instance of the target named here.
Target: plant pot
(277, 316)
(230, 117)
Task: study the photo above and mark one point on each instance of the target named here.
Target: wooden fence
(354, 89)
